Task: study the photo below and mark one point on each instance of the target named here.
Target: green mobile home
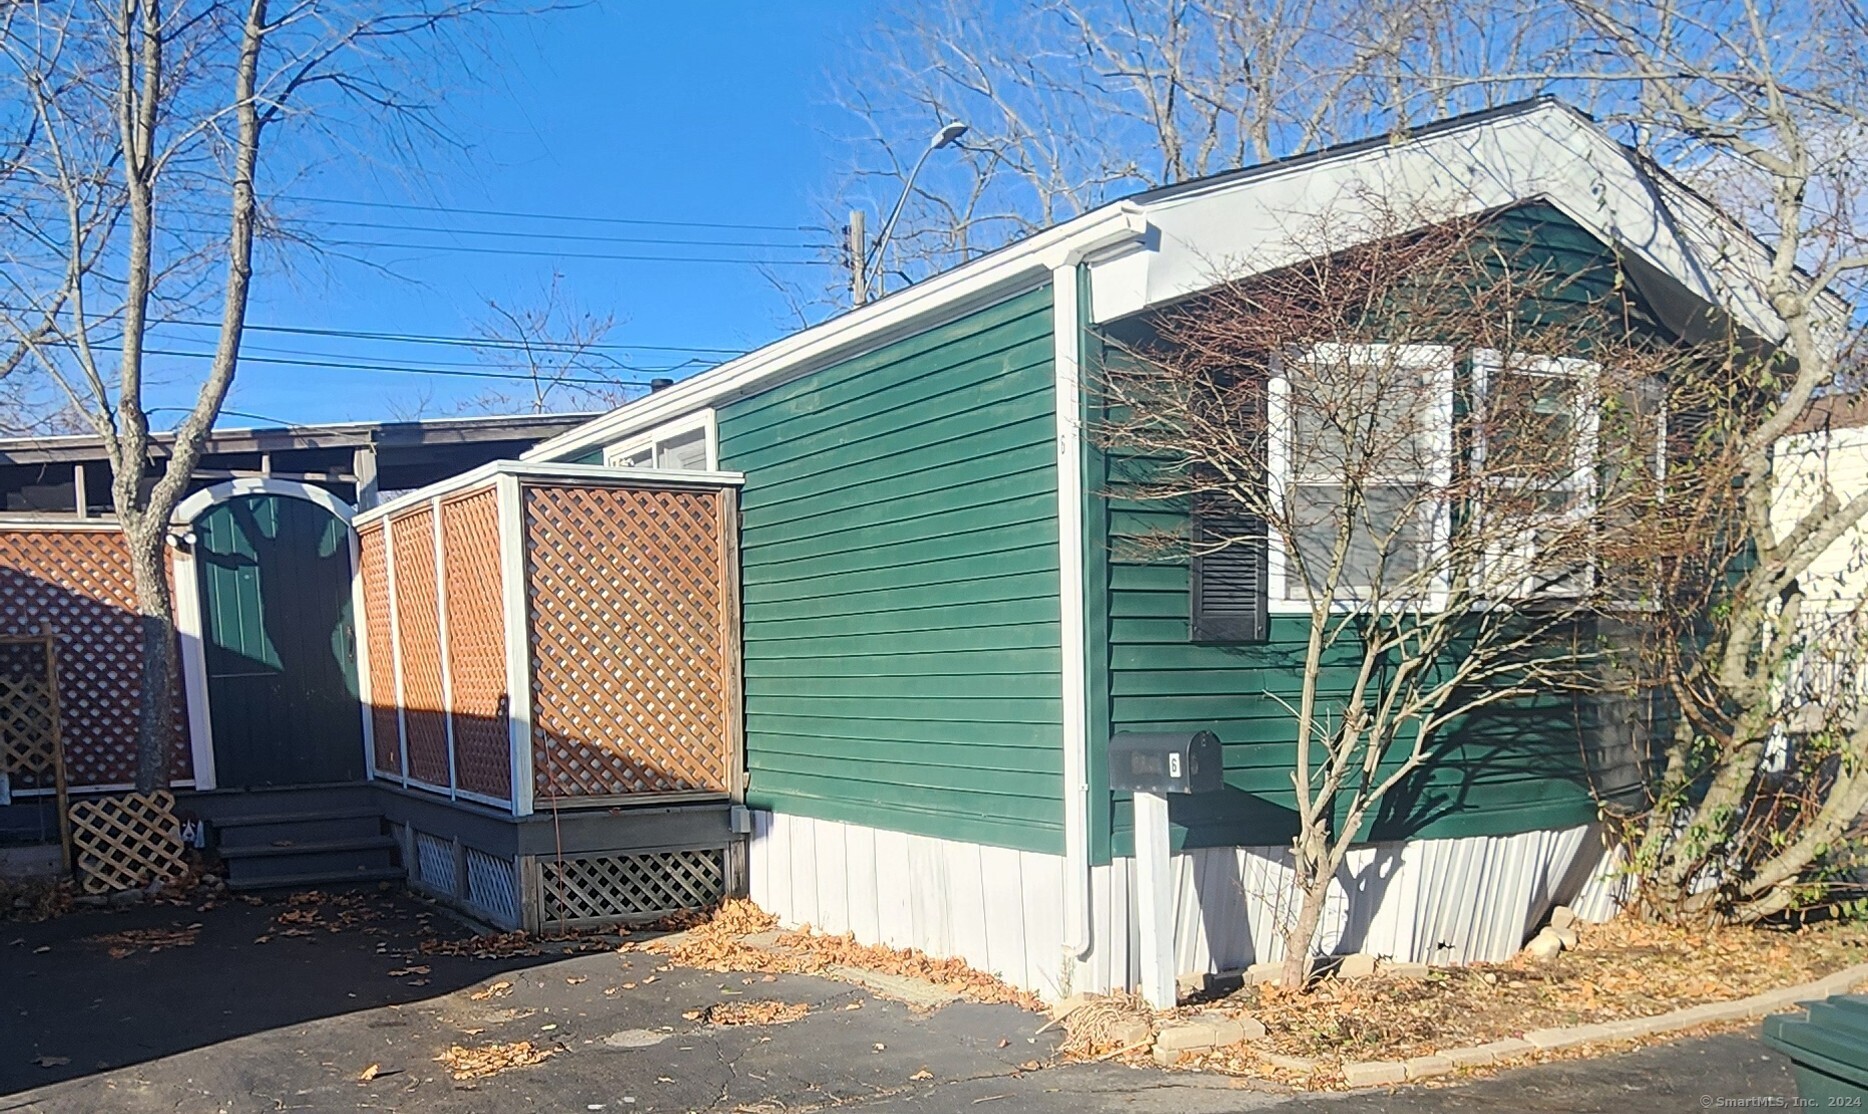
(941, 634)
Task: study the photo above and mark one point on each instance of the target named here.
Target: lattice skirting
(480, 883)
(493, 888)
(611, 888)
(433, 868)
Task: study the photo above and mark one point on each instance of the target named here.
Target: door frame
(190, 624)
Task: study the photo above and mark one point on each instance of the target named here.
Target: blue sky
(715, 112)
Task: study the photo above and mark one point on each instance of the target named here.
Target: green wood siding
(899, 555)
(1520, 769)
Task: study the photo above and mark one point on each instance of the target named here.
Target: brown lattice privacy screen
(77, 579)
(632, 639)
(627, 664)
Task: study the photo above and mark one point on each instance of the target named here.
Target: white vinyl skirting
(1442, 901)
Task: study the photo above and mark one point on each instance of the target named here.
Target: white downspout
(1068, 363)
(1129, 229)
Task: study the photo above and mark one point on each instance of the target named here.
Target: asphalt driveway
(345, 992)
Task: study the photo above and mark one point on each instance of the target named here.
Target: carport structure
(550, 670)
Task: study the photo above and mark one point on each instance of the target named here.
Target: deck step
(309, 858)
(310, 847)
(298, 827)
(325, 878)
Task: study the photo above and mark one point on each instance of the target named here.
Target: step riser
(225, 807)
(308, 881)
(269, 833)
(311, 863)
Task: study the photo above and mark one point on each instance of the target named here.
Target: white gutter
(970, 286)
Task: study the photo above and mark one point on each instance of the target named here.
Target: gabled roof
(1163, 244)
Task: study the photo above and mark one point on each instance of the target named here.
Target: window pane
(638, 459)
(1384, 546)
(1531, 431)
(1355, 413)
(686, 452)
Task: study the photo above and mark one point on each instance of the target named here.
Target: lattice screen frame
(379, 606)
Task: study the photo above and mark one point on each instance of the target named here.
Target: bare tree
(556, 350)
(1075, 102)
(146, 129)
(1764, 107)
(1434, 478)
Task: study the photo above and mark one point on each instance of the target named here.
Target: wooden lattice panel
(630, 623)
(78, 580)
(418, 633)
(373, 567)
(28, 727)
(476, 624)
(126, 840)
(629, 887)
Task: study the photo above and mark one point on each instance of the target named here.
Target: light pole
(868, 262)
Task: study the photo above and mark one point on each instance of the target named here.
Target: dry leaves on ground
(498, 989)
(491, 1059)
(1624, 969)
(35, 899)
(308, 911)
(133, 940)
(719, 944)
(512, 945)
(749, 1013)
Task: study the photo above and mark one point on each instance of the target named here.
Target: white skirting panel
(1435, 901)
(999, 910)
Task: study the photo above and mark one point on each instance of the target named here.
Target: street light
(864, 267)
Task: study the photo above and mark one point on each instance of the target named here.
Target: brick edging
(1375, 1073)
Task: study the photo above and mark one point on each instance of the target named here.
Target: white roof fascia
(547, 471)
(1231, 230)
(950, 294)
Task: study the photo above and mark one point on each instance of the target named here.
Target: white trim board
(547, 471)
(195, 505)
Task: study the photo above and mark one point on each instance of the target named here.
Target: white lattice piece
(434, 863)
(493, 887)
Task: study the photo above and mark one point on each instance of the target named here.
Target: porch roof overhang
(383, 435)
(1165, 244)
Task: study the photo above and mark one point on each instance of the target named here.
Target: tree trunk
(156, 615)
(1313, 889)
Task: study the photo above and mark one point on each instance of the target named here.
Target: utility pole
(859, 261)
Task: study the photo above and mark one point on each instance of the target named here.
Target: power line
(395, 369)
(442, 339)
(610, 360)
(572, 236)
(583, 255)
(575, 218)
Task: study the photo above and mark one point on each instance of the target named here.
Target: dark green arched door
(279, 642)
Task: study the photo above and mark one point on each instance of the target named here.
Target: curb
(1376, 1073)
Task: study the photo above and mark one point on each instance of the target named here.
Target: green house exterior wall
(1525, 769)
(900, 580)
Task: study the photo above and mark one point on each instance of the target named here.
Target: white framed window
(1536, 449)
(687, 444)
(1382, 413)
(1538, 460)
